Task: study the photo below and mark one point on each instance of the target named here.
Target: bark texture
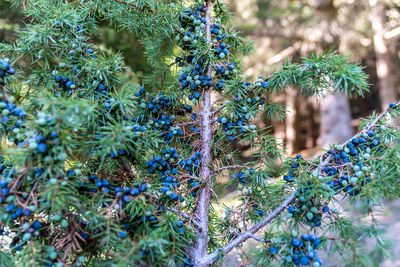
(199, 250)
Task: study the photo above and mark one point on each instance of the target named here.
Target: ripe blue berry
(41, 148)
(122, 235)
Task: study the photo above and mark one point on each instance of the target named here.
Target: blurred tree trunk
(293, 127)
(279, 127)
(335, 114)
(313, 123)
(335, 124)
(290, 119)
(384, 64)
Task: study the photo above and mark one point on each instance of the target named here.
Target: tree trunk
(335, 125)
(199, 250)
(335, 113)
(384, 63)
(290, 120)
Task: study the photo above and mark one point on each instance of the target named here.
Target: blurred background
(367, 31)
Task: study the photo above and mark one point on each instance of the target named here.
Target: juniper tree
(101, 171)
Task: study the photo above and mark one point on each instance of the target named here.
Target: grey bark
(335, 113)
(335, 124)
(199, 250)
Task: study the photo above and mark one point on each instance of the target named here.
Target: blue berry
(41, 148)
(135, 192)
(304, 261)
(296, 242)
(122, 235)
(174, 196)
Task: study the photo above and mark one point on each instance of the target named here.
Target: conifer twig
(184, 215)
(227, 168)
(135, 6)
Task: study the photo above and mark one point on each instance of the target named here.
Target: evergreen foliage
(100, 171)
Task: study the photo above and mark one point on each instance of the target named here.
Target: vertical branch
(203, 207)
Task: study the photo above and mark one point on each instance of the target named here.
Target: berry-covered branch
(242, 237)
(325, 160)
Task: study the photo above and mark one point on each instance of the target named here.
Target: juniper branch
(239, 239)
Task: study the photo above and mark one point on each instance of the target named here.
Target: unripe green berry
(339, 147)
(53, 255)
(27, 236)
(25, 226)
(64, 223)
(314, 210)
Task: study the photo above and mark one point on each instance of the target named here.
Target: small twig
(214, 112)
(228, 167)
(215, 194)
(233, 230)
(184, 215)
(176, 29)
(188, 123)
(134, 6)
(322, 163)
(242, 213)
(262, 240)
(23, 172)
(216, 101)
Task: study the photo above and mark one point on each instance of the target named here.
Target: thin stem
(227, 168)
(257, 238)
(243, 215)
(218, 110)
(184, 215)
(188, 123)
